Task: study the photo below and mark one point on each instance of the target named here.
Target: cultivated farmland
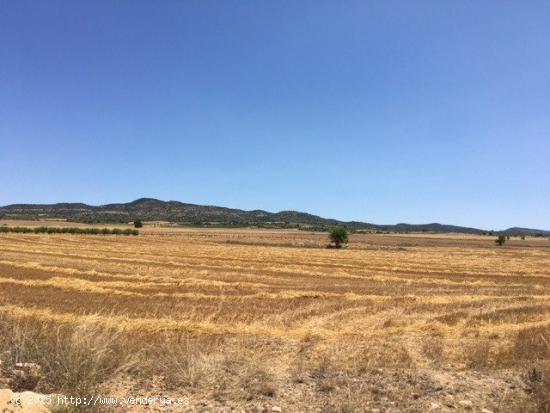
(255, 320)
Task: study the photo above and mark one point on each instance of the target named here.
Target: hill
(149, 209)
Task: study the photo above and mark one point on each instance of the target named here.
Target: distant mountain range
(148, 209)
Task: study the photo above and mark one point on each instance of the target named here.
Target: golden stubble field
(254, 320)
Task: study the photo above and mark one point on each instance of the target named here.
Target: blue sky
(380, 111)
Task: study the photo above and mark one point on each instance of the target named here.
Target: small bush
(538, 379)
(500, 240)
(338, 236)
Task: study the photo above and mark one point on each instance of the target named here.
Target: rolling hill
(149, 209)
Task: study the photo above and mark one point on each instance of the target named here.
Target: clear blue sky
(380, 111)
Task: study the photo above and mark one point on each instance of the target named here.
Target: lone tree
(500, 240)
(338, 236)
(138, 223)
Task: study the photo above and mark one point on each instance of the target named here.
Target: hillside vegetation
(147, 209)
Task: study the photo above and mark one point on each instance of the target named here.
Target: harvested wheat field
(257, 320)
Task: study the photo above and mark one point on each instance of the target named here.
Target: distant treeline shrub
(70, 230)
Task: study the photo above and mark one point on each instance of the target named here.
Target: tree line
(69, 230)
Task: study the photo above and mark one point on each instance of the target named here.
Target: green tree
(338, 236)
(500, 240)
(138, 223)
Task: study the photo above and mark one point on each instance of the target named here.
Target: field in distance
(265, 320)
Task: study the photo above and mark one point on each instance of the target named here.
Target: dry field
(250, 320)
